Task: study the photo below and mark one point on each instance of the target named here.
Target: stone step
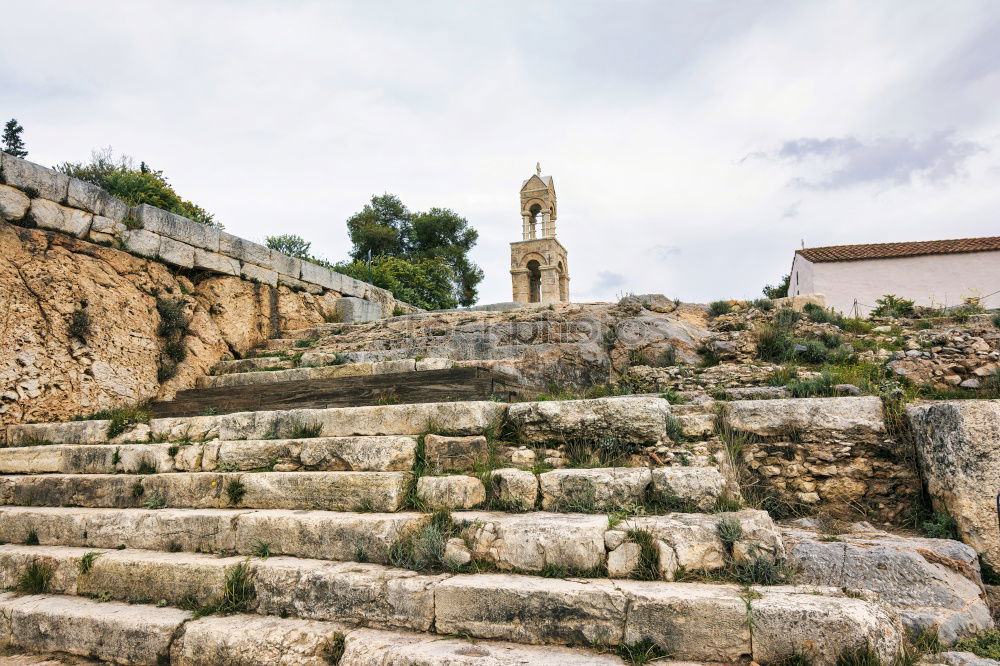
(689, 621)
(283, 344)
(328, 491)
(296, 389)
(448, 418)
(327, 454)
(143, 634)
(531, 542)
(251, 364)
(323, 372)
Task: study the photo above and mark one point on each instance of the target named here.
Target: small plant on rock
(307, 431)
(173, 320)
(123, 418)
(641, 652)
(649, 558)
(156, 500)
(35, 579)
(716, 308)
(235, 491)
(87, 562)
(31, 539)
(80, 324)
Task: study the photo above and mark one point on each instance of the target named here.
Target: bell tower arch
(539, 267)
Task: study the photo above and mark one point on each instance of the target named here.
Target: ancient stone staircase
(371, 535)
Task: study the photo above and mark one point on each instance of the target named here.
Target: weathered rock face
(958, 445)
(933, 583)
(632, 419)
(48, 374)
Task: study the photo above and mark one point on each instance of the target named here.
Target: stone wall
(35, 196)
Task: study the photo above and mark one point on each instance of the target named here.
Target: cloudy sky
(694, 145)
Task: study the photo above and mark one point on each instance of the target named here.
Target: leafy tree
(134, 186)
(12, 142)
(780, 290)
(385, 227)
(440, 233)
(426, 283)
(381, 228)
(292, 245)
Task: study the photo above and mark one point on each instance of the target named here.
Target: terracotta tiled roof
(890, 250)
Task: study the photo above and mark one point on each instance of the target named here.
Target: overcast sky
(694, 145)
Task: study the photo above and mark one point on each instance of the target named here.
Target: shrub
(786, 317)
(821, 315)
(729, 531)
(166, 371)
(135, 185)
(831, 340)
(813, 351)
(79, 324)
(716, 308)
(122, 418)
(774, 343)
(985, 644)
(426, 283)
(940, 526)
(708, 356)
(891, 305)
(175, 351)
(811, 388)
(996, 320)
(35, 579)
(87, 562)
(856, 325)
(172, 318)
(763, 304)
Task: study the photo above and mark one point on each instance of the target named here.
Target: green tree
(426, 283)
(386, 228)
(12, 142)
(779, 290)
(292, 245)
(142, 185)
(440, 233)
(381, 228)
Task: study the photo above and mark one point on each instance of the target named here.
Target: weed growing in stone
(121, 419)
(32, 538)
(87, 562)
(729, 531)
(649, 558)
(861, 655)
(173, 321)
(35, 579)
(80, 324)
(307, 431)
(235, 491)
(641, 652)
(261, 549)
(156, 500)
(424, 549)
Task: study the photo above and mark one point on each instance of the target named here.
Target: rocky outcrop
(958, 446)
(50, 373)
(933, 583)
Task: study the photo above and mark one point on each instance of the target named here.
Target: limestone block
(115, 632)
(451, 492)
(259, 274)
(586, 490)
(353, 310)
(351, 287)
(70, 432)
(329, 491)
(177, 227)
(13, 203)
(164, 529)
(773, 418)
(532, 541)
(299, 285)
(322, 534)
(958, 444)
(245, 640)
(290, 375)
(515, 488)
(932, 583)
(50, 215)
(93, 199)
(952, 658)
(31, 459)
(176, 253)
(698, 486)
(316, 274)
(149, 575)
(247, 252)
(62, 562)
(399, 365)
(25, 175)
(531, 609)
(623, 560)
(359, 454)
(132, 457)
(456, 553)
(434, 364)
(370, 647)
(285, 265)
(788, 621)
(688, 621)
(346, 591)
(633, 419)
(141, 242)
(107, 226)
(454, 453)
(215, 262)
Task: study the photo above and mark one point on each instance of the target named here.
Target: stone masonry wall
(50, 200)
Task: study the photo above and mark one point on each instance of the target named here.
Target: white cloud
(287, 116)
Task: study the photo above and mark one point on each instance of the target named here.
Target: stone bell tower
(539, 268)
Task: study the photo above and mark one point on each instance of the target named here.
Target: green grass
(649, 558)
(121, 418)
(262, 549)
(307, 431)
(729, 531)
(87, 562)
(32, 538)
(985, 644)
(641, 652)
(156, 500)
(861, 655)
(940, 526)
(35, 579)
(235, 491)
(423, 550)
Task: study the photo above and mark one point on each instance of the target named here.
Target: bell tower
(539, 268)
